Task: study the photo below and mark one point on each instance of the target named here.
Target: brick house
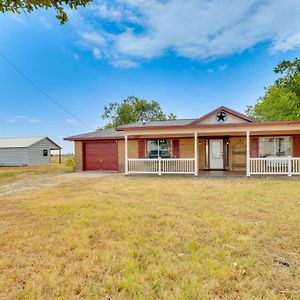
(223, 139)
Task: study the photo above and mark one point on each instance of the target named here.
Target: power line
(42, 91)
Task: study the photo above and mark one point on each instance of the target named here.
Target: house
(223, 139)
(26, 151)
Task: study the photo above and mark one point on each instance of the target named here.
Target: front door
(216, 154)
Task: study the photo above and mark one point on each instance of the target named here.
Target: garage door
(101, 156)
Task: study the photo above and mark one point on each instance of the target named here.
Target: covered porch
(233, 150)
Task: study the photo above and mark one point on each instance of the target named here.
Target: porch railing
(275, 166)
(161, 166)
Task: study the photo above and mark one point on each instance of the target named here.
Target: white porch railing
(275, 166)
(161, 166)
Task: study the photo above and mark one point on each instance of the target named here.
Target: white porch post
(289, 165)
(248, 153)
(159, 166)
(196, 153)
(126, 155)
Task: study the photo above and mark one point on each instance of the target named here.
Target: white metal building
(26, 151)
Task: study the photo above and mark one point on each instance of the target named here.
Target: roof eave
(94, 138)
(150, 127)
(226, 109)
(193, 126)
(59, 147)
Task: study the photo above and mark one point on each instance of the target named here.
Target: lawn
(54, 167)
(117, 237)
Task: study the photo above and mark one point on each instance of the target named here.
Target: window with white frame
(275, 146)
(158, 148)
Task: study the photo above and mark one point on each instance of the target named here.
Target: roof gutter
(246, 124)
(93, 138)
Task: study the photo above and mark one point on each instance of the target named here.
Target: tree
(28, 6)
(133, 110)
(281, 101)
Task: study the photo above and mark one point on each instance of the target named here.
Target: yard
(115, 237)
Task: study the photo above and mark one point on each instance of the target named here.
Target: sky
(191, 56)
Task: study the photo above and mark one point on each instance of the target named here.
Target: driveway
(27, 182)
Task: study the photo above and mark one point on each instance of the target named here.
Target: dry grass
(54, 167)
(152, 238)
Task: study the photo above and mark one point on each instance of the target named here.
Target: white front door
(216, 154)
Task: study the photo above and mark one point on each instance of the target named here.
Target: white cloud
(106, 12)
(93, 38)
(18, 18)
(288, 43)
(124, 64)
(71, 121)
(223, 67)
(22, 118)
(114, 11)
(96, 53)
(219, 68)
(195, 29)
(45, 22)
(31, 120)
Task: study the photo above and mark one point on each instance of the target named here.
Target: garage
(100, 155)
(27, 151)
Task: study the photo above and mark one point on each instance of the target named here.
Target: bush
(70, 163)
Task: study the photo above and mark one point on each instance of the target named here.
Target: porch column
(248, 153)
(126, 154)
(59, 156)
(196, 153)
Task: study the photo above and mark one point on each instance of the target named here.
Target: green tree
(281, 101)
(133, 110)
(28, 6)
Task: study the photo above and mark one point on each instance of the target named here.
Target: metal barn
(26, 151)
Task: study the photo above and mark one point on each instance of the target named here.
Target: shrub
(70, 163)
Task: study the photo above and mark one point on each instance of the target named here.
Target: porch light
(199, 143)
(227, 142)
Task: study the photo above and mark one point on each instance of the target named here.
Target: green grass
(11, 173)
(152, 238)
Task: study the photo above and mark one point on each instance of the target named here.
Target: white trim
(126, 154)
(275, 166)
(248, 153)
(282, 129)
(161, 166)
(289, 166)
(196, 153)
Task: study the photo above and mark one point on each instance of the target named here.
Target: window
(45, 152)
(158, 148)
(274, 146)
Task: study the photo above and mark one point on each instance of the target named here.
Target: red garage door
(101, 156)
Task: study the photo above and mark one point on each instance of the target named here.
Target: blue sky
(191, 56)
